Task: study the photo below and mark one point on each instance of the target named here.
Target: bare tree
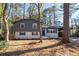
(24, 11)
(5, 21)
(39, 21)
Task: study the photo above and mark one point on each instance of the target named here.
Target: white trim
(21, 25)
(51, 35)
(28, 35)
(34, 33)
(22, 33)
(34, 25)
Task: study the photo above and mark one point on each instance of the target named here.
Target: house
(26, 29)
(51, 31)
(30, 29)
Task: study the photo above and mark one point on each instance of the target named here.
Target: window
(54, 30)
(21, 33)
(34, 33)
(51, 30)
(22, 26)
(34, 25)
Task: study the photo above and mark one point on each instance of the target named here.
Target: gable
(28, 25)
(26, 20)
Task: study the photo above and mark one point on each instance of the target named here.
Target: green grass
(0, 31)
(2, 44)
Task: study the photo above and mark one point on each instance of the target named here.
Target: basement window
(34, 33)
(21, 33)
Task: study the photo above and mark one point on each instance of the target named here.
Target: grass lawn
(2, 44)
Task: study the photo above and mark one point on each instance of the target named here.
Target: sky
(47, 5)
(74, 16)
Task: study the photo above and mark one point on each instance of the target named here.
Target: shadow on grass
(72, 46)
(19, 52)
(31, 43)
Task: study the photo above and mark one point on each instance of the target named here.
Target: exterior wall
(11, 36)
(51, 35)
(28, 25)
(28, 35)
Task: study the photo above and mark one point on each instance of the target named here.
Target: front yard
(34, 48)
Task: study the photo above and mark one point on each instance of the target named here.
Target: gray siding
(28, 25)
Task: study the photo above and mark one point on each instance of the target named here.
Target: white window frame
(34, 26)
(34, 33)
(22, 32)
(51, 30)
(21, 25)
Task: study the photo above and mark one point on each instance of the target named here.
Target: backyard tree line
(53, 15)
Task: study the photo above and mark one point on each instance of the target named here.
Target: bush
(76, 34)
(2, 44)
(1, 37)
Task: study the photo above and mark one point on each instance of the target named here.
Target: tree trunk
(39, 21)
(24, 11)
(5, 21)
(54, 16)
(14, 11)
(65, 38)
(30, 12)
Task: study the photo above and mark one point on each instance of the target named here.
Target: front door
(43, 32)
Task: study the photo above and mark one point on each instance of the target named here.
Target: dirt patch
(35, 48)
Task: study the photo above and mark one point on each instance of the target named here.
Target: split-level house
(30, 29)
(26, 29)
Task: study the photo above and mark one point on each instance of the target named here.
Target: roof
(26, 19)
(52, 27)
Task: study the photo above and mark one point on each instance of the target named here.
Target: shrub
(2, 44)
(76, 34)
